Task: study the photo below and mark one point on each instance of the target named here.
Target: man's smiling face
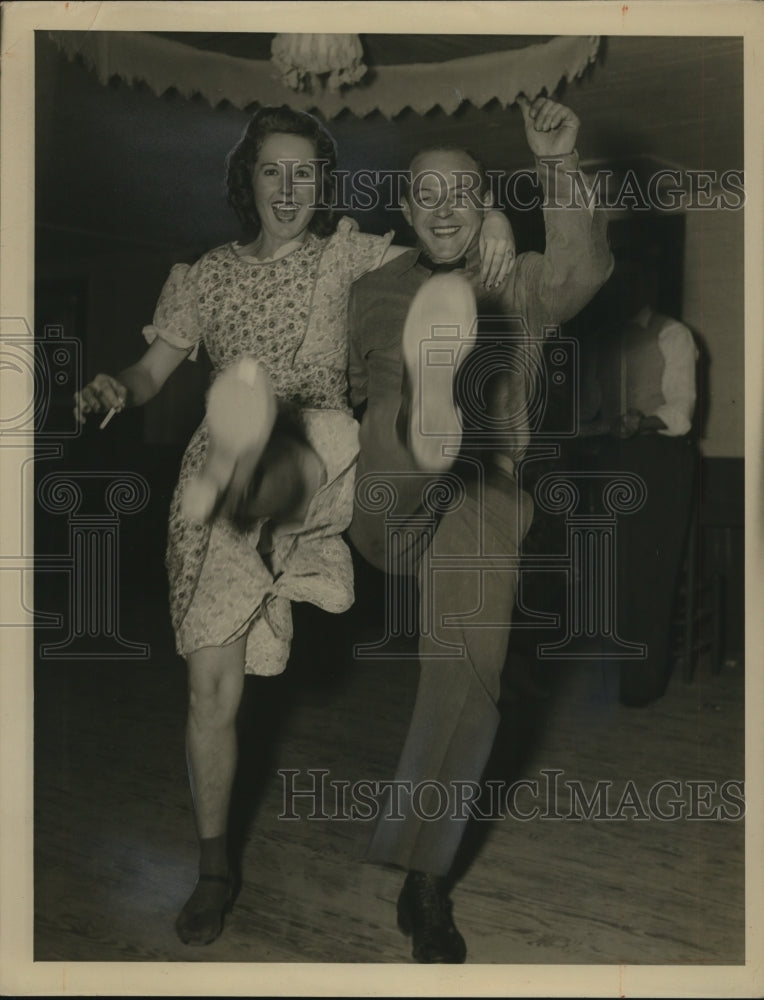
(444, 205)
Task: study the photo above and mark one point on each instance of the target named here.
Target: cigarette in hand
(108, 417)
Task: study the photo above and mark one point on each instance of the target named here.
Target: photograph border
(21, 975)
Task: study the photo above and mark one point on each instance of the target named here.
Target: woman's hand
(497, 248)
(102, 394)
(135, 385)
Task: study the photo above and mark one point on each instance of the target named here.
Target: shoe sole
(439, 333)
(241, 412)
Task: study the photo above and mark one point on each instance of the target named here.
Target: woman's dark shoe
(424, 912)
(200, 921)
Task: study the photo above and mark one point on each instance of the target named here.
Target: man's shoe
(241, 412)
(424, 912)
(438, 335)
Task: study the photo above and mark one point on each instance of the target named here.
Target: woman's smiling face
(286, 186)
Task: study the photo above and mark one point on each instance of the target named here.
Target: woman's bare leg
(215, 685)
(216, 682)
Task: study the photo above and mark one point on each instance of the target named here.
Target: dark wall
(127, 182)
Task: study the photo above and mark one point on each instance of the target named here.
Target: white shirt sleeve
(678, 383)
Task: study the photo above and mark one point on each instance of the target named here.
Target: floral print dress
(290, 314)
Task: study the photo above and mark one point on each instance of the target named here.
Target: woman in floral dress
(280, 299)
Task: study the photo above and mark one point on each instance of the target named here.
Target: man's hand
(551, 128)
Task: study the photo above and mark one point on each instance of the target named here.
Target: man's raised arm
(552, 287)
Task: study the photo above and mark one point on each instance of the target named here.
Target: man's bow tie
(440, 267)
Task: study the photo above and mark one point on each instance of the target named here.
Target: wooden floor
(115, 853)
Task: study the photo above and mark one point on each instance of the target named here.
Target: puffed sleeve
(362, 251)
(176, 317)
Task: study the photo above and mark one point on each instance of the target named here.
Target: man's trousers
(460, 535)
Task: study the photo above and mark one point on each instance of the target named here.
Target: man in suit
(426, 374)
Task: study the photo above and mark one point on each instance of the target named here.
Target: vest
(630, 369)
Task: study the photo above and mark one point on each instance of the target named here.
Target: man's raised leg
(439, 333)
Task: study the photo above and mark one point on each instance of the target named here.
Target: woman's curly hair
(241, 161)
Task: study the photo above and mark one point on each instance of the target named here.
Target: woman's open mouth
(286, 211)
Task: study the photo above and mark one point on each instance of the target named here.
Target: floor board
(115, 849)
